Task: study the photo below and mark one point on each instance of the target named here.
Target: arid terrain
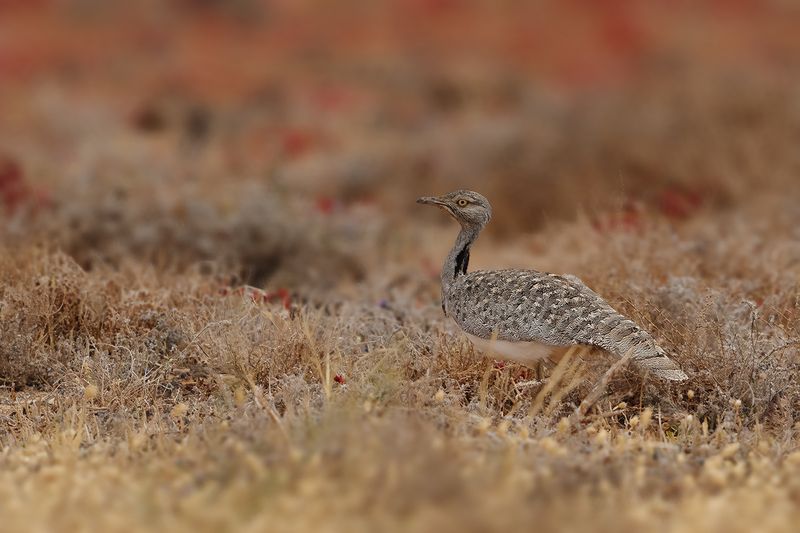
(219, 302)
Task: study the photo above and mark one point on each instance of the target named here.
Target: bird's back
(531, 306)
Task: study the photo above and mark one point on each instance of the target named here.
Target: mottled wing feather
(526, 305)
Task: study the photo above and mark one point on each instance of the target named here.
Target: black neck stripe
(462, 260)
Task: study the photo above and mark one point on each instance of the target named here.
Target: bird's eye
(462, 203)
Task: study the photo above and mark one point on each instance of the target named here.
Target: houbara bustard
(525, 315)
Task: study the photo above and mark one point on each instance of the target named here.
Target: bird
(527, 315)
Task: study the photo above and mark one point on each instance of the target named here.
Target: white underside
(523, 352)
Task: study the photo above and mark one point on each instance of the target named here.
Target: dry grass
(145, 397)
(221, 312)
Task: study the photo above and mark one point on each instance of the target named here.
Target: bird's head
(469, 208)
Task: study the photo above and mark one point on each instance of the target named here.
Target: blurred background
(219, 301)
(265, 135)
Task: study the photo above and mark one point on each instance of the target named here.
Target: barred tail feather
(652, 359)
(626, 336)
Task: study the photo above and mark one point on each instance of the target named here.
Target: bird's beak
(438, 202)
(430, 200)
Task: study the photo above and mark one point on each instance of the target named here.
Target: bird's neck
(458, 259)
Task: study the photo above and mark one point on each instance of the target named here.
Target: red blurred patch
(622, 32)
(10, 173)
(679, 204)
(297, 142)
(629, 219)
(15, 192)
(338, 378)
(284, 296)
(325, 205)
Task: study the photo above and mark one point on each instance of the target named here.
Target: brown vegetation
(217, 313)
